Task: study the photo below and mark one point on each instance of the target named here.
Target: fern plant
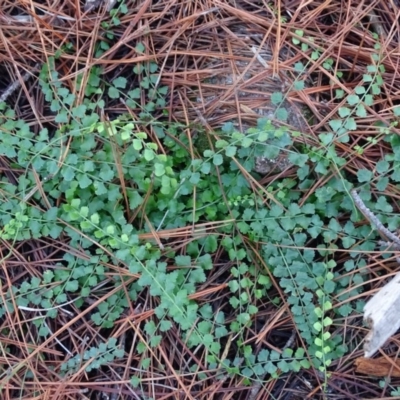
(80, 197)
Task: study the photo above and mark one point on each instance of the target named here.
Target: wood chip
(378, 366)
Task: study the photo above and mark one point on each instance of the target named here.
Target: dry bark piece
(382, 315)
(378, 366)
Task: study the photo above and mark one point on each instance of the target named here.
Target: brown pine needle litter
(221, 61)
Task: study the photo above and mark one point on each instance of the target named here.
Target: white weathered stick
(382, 315)
(382, 312)
(15, 85)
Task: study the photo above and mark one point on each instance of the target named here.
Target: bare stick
(15, 85)
(374, 219)
(381, 313)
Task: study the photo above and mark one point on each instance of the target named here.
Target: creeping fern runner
(115, 193)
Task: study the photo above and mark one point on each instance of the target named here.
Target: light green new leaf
(159, 169)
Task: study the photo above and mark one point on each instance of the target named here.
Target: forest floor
(176, 216)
